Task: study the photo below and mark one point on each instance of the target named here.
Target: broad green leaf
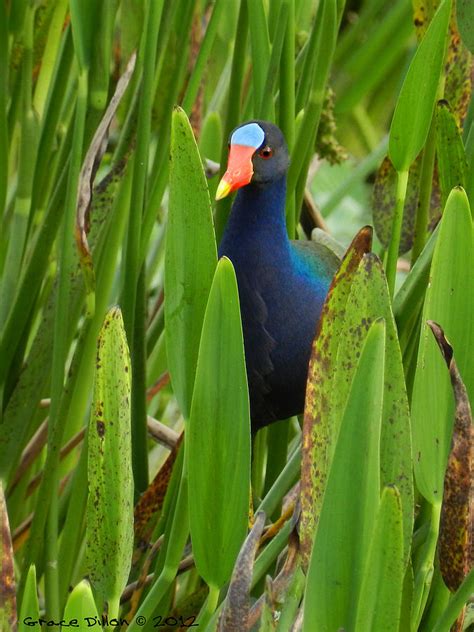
(452, 163)
(218, 436)
(81, 607)
(380, 597)
(7, 573)
(109, 517)
(29, 603)
(413, 112)
(191, 258)
(465, 18)
(318, 437)
(368, 301)
(346, 524)
(450, 302)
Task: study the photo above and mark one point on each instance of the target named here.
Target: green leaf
(83, 21)
(218, 437)
(381, 592)
(465, 18)
(368, 301)
(345, 526)
(29, 603)
(190, 258)
(384, 200)
(81, 607)
(321, 427)
(413, 112)
(452, 163)
(109, 517)
(450, 302)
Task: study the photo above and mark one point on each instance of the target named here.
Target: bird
(282, 283)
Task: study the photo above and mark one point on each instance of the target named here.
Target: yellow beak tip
(223, 190)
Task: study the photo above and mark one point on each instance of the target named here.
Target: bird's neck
(259, 213)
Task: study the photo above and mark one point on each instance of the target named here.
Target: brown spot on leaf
(456, 539)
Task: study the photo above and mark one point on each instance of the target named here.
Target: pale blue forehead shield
(250, 135)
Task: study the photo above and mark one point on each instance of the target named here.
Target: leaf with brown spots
(319, 432)
(456, 537)
(384, 200)
(369, 301)
(8, 619)
(452, 163)
(109, 514)
(459, 63)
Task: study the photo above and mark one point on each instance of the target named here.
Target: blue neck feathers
(259, 213)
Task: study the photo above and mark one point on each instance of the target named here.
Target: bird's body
(282, 286)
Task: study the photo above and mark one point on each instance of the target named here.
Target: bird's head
(257, 154)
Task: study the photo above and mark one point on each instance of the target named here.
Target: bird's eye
(266, 152)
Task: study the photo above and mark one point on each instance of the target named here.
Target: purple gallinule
(282, 283)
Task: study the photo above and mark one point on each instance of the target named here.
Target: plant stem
(177, 539)
(424, 201)
(392, 255)
(456, 604)
(424, 574)
(209, 606)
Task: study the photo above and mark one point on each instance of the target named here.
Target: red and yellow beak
(239, 170)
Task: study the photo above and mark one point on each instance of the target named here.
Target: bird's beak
(239, 170)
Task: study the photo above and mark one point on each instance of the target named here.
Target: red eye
(266, 152)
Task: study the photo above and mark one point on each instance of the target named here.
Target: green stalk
(209, 607)
(50, 120)
(49, 58)
(283, 483)
(326, 42)
(28, 144)
(138, 396)
(260, 43)
(286, 110)
(177, 539)
(277, 449)
(47, 494)
(425, 566)
(392, 254)
(140, 167)
(267, 107)
(203, 56)
(3, 107)
(233, 107)
(51, 576)
(133, 252)
(286, 118)
(424, 200)
(456, 604)
(259, 463)
(308, 60)
(159, 171)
